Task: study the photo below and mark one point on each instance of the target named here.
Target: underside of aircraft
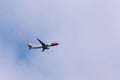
(43, 45)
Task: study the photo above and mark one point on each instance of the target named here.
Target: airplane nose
(57, 43)
(54, 44)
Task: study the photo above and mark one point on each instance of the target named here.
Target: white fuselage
(38, 46)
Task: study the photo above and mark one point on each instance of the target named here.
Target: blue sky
(88, 32)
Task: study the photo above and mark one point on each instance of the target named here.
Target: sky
(87, 30)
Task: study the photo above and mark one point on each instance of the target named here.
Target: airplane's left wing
(43, 49)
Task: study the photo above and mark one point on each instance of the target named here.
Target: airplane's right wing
(43, 44)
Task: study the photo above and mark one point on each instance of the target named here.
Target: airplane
(43, 45)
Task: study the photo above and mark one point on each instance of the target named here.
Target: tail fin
(29, 45)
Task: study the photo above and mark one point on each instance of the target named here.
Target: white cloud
(87, 30)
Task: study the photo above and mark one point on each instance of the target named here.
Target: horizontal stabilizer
(29, 45)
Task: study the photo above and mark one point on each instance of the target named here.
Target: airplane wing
(43, 44)
(43, 49)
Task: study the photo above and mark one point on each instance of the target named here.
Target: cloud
(88, 32)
